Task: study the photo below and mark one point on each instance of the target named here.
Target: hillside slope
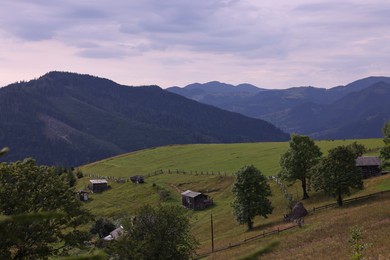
(71, 119)
(209, 169)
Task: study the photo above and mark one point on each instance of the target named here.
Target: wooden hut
(297, 212)
(370, 166)
(137, 179)
(98, 185)
(195, 200)
(83, 195)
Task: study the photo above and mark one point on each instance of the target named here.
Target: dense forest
(71, 119)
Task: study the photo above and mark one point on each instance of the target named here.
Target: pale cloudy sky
(271, 44)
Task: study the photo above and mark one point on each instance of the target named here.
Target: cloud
(258, 41)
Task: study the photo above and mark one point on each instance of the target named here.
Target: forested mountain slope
(71, 119)
(304, 110)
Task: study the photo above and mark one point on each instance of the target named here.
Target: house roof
(116, 233)
(98, 181)
(368, 161)
(137, 177)
(189, 193)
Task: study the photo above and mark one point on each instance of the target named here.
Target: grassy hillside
(207, 157)
(123, 198)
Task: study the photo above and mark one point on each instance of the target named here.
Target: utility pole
(212, 234)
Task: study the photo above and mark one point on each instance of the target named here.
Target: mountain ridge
(71, 119)
(289, 108)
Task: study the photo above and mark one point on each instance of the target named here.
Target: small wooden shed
(195, 200)
(98, 185)
(137, 179)
(83, 195)
(370, 166)
(297, 212)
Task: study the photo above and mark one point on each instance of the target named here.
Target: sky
(270, 44)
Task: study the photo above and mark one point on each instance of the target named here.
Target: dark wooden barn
(195, 200)
(370, 166)
(137, 179)
(98, 185)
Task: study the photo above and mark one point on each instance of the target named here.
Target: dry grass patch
(325, 234)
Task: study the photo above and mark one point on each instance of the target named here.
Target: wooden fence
(347, 201)
(158, 172)
(277, 231)
(247, 240)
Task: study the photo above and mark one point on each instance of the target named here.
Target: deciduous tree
(102, 227)
(26, 191)
(337, 173)
(299, 160)
(251, 191)
(385, 151)
(357, 149)
(155, 233)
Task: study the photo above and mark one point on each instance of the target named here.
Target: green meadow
(227, 158)
(211, 167)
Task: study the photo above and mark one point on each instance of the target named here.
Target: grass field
(123, 198)
(207, 157)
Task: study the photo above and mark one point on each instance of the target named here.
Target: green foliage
(67, 174)
(251, 191)
(102, 227)
(385, 151)
(297, 163)
(357, 149)
(26, 190)
(163, 193)
(358, 247)
(336, 174)
(79, 173)
(155, 233)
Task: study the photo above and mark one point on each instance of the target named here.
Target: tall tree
(251, 191)
(337, 173)
(26, 191)
(102, 227)
(385, 151)
(155, 233)
(357, 149)
(297, 162)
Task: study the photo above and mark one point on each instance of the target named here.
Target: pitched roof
(190, 193)
(368, 161)
(116, 233)
(98, 181)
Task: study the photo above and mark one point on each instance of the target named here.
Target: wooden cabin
(83, 195)
(195, 200)
(370, 166)
(98, 185)
(137, 179)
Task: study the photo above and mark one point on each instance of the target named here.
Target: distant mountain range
(357, 110)
(71, 119)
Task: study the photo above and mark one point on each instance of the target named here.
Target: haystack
(298, 211)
